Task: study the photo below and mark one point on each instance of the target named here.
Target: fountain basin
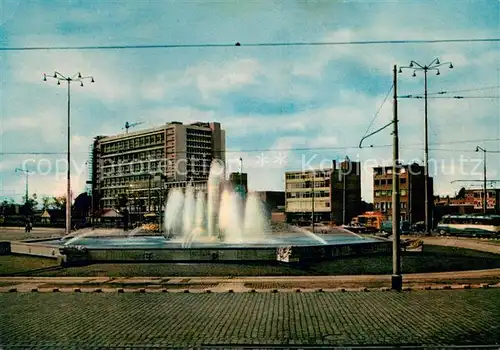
(291, 247)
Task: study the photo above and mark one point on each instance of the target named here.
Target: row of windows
(378, 182)
(308, 175)
(383, 206)
(481, 194)
(125, 181)
(135, 157)
(389, 193)
(140, 141)
(317, 184)
(387, 171)
(127, 169)
(317, 194)
(306, 206)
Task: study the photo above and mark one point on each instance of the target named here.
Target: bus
(369, 219)
(471, 225)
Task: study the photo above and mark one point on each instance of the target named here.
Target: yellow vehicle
(369, 219)
(150, 222)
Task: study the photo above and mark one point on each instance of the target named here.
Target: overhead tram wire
(326, 148)
(443, 92)
(238, 44)
(378, 110)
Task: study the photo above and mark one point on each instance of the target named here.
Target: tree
(81, 207)
(461, 194)
(59, 202)
(28, 207)
(46, 202)
(122, 201)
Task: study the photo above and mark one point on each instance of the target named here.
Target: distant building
(239, 181)
(412, 190)
(140, 165)
(337, 193)
(475, 197)
(274, 204)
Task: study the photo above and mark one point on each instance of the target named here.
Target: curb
(103, 289)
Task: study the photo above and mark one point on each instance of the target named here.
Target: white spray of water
(254, 226)
(200, 209)
(189, 211)
(173, 210)
(214, 180)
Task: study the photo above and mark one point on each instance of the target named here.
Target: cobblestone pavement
(86, 320)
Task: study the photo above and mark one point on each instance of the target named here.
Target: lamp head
(81, 83)
(477, 148)
(400, 70)
(438, 73)
(92, 80)
(414, 74)
(58, 82)
(55, 75)
(437, 60)
(44, 77)
(411, 64)
(451, 65)
(79, 75)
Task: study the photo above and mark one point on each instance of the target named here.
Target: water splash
(189, 211)
(224, 216)
(215, 178)
(253, 225)
(173, 210)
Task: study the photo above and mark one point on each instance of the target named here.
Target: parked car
(387, 227)
(418, 227)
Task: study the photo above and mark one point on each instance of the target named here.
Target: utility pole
(313, 185)
(396, 279)
(344, 192)
(26, 172)
(485, 191)
(76, 78)
(433, 66)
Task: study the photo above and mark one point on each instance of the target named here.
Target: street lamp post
(26, 172)
(76, 78)
(485, 192)
(433, 66)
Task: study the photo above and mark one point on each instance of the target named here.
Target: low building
(475, 197)
(412, 191)
(332, 194)
(239, 181)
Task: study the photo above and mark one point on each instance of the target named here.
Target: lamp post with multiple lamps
(26, 172)
(485, 191)
(433, 66)
(77, 78)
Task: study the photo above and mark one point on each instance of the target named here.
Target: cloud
(281, 98)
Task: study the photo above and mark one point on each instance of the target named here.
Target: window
(403, 181)
(403, 192)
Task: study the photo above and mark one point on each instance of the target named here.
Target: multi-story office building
(412, 193)
(332, 194)
(141, 164)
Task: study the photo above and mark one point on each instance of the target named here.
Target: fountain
(206, 225)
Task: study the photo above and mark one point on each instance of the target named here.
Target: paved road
(83, 320)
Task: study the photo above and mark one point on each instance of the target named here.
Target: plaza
(154, 320)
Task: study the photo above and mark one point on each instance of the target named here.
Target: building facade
(412, 195)
(475, 197)
(141, 165)
(331, 194)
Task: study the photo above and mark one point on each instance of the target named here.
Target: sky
(283, 108)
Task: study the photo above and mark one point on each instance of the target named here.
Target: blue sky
(278, 98)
